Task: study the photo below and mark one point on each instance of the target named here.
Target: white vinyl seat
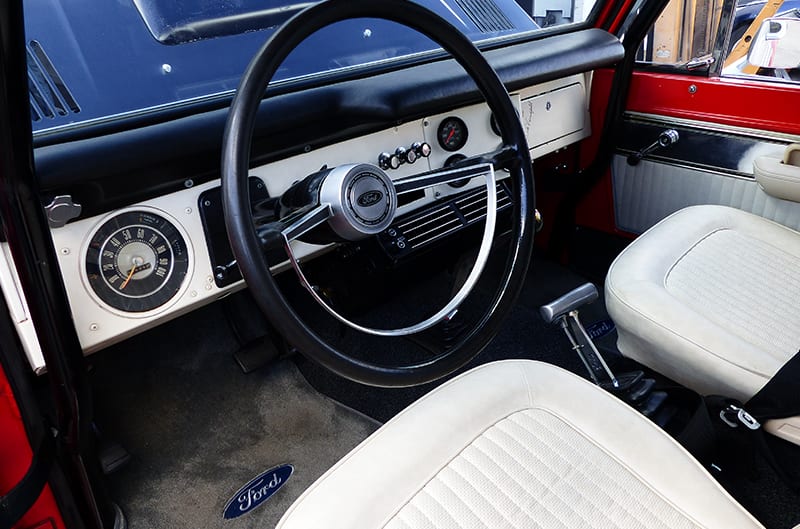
(709, 297)
(517, 444)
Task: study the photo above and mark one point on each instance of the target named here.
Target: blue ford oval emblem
(369, 198)
(600, 329)
(259, 490)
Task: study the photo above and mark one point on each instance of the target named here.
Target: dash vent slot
(486, 15)
(420, 229)
(49, 95)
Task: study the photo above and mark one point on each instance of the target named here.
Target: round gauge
(136, 261)
(452, 134)
(454, 159)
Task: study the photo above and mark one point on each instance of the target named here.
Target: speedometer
(136, 261)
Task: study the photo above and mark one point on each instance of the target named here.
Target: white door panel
(646, 193)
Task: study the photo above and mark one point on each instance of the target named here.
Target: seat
(517, 444)
(709, 297)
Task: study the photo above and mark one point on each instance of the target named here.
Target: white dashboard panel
(98, 325)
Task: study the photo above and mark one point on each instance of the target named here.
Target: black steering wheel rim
(246, 244)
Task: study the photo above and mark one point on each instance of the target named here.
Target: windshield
(99, 61)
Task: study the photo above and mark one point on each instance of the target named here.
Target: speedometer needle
(134, 269)
(127, 279)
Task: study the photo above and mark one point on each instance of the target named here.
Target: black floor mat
(523, 335)
(198, 429)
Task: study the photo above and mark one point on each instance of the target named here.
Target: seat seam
(444, 465)
(468, 444)
(582, 474)
(336, 468)
(568, 462)
(692, 247)
(640, 478)
(650, 319)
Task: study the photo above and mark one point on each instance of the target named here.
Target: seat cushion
(709, 297)
(517, 444)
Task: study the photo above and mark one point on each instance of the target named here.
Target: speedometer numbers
(136, 261)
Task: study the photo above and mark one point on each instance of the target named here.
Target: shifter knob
(570, 301)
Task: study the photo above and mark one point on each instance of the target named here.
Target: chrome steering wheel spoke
(440, 176)
(308, 220)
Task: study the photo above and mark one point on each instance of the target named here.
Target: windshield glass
(99, 61)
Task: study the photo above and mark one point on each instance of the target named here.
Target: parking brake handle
(665, 139)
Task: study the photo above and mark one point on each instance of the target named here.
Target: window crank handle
(665, 139)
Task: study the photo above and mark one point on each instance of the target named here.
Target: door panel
(724, 125)
(710, 164)
(650, 191)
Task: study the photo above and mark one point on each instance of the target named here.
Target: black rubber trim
(158, 159)
(245, 241)
(21, 498)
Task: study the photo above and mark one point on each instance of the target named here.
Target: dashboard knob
(407, 155)
(421, 149)
(388, 161)
(402, 154)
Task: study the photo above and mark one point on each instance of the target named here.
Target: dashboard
(129, 268)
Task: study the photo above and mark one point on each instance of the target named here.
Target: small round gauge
(452, 134)
(454, 159)
(136, 261)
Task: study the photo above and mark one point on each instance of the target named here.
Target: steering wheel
(357, 201)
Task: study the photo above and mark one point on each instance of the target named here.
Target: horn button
(363, 200)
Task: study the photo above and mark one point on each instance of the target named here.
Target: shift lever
(632, 387)
(564, 311)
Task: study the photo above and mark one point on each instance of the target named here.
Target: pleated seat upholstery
(517, 444)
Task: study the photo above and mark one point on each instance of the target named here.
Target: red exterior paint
(754, 104)
(622, 14)
(596, 211)
(15, 458)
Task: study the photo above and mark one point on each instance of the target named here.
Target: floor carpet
(198, 429)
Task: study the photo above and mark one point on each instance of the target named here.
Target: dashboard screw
(64, 251)
(692, 89)
(93, 327)
(188, 183)
(188, 211)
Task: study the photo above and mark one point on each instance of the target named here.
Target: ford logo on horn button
(259, 490)
(369, 198)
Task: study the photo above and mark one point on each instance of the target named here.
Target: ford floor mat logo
(259, 490)
(599, 329)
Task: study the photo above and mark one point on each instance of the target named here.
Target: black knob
(421, 149)
(388, 161)
(403, 155)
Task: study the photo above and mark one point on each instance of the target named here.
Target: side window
(684, 35)
(759, 39)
